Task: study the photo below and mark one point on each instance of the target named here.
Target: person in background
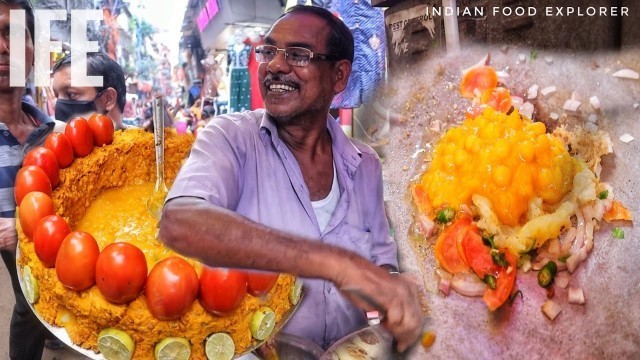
(283, 189)
(108, 99)
(23, 127)
(27, 97)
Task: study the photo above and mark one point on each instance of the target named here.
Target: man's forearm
(234, 241)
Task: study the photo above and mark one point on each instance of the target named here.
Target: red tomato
(478, 79)
(102, 128)
(47, 238)
(46, 160)
(222, 290)
(31, 178)
(498, 98)
(121, 271)
(478, 255)
(505, 280)
(76, 261)
(79, 133)
(259, 283)
(447, 249)
(421, 199)
(171, 288)
(61, 146)
(34, 207)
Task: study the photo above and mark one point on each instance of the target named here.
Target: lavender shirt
(238, 162)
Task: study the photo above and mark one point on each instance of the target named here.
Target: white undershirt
(324, 208)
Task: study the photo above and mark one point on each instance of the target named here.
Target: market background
(169, 47)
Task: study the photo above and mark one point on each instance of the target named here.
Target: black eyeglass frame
(312, 55)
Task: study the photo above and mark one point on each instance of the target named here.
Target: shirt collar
(341, 143)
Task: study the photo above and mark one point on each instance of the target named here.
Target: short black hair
(29, 17)
(100, 64)
(340, 42)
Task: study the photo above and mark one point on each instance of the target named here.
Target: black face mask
(67, 109)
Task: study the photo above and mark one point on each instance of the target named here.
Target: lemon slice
(262, 323)
(296, 292)
(115, 344)
(173, 348)
(31, 288)
(219, 346)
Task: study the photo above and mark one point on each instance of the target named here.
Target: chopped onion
(593, 118)
(468, 284)
(627, 74)
(532, 93)
(522, 58)
(427, 226)
(595, 102)
(574, 260)
(527, 110)
(502, 75)
(548, 59)
(444, 286)
(571, 105)
(562, 279)
(516, 101)
(626, 138)
(485, 61)
(576, 296)
(551, 309)
(591, 127)
(548, 90)
(553, 116)
(636, 105)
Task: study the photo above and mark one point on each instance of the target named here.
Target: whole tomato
(171, 288)
(222, 290)
(259, 283)
(76, 261)
(102, 128)
(60, 144)
(121, 272)
(34, 207)
(31, 178)
(79, 133)
(46, 160)
(47, 238)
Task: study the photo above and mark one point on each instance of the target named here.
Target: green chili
(445, 215)
(603, 194)
(546, 274)
(490, 280)
(618, 233)
(488, 240)
(498, 258)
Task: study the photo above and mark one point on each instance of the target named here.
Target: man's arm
(219, 237)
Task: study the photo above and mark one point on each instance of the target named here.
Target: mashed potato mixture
(105, 195)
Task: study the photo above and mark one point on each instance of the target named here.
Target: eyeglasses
(295, 56)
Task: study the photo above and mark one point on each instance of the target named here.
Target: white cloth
(324, 208)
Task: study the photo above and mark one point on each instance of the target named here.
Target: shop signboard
(412, 28)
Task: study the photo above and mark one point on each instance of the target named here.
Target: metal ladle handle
(158, 134)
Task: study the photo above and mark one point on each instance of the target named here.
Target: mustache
(270, 78)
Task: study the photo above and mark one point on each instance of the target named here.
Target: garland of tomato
(120, 269)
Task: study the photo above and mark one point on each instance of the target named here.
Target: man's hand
(398, 297)
(8, 235)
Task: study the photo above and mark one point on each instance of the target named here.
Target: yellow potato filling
(507, 159)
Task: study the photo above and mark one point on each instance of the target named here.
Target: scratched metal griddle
(608, 325)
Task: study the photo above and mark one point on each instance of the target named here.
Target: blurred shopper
(23, 127)
(108, 99)
(298, 196)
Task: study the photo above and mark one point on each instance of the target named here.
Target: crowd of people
(299, 195)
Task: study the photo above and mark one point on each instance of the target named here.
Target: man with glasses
(283, 189)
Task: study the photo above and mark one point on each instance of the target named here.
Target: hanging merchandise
(256, 38)
(368, 29)
(238, 61)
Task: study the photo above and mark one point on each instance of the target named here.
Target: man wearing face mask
(108, 99)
